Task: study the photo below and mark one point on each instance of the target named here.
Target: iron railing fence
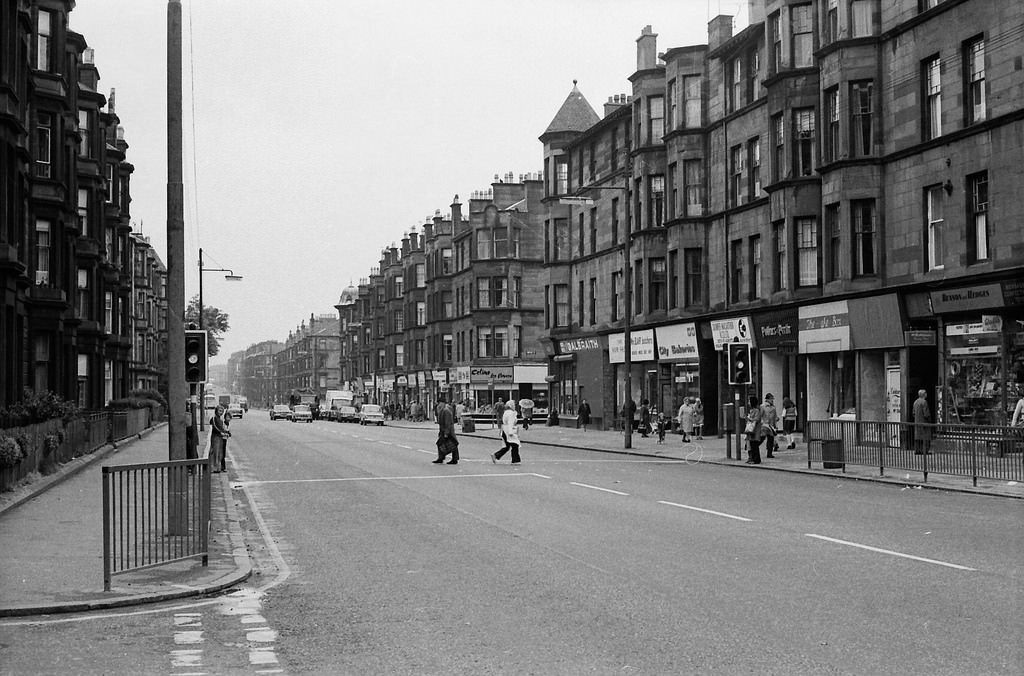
(155, 513)
(978, 452)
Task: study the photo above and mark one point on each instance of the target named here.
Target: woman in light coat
(685, 418)
(509, 434)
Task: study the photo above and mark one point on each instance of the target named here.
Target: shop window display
(984, 372)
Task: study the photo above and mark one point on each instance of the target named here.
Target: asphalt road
(373, 560)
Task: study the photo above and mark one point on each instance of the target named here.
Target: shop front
(679, 366)
(823, 340)
(489, 384)
(981, 352)
(644, 383)
(776, 337)
(577, 375)
(531, 383)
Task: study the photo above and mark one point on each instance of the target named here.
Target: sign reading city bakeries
(677, 342)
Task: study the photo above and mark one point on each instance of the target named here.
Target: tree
(214, 321)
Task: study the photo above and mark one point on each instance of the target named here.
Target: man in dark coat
(583, 415)
(447, 442)
(645, 417)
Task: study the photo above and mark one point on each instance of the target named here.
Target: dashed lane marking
(889, 552)
(597, 488)
(706, 511)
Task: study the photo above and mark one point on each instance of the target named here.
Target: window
(82, 305)
(778, 148)
(780, 272)
(44, 144)
(446, 261)
(657, 284)
(562, 246)
(863, 218)
(860, 18)
(735, 84)
(561, 293)
(754, 163)
(691, 101)
(613, 151)
(832, 21)
(84, 140)
(44, 40)
(753, 69)
(580, 307)
(615, 220)
(673, 188)
(934, 236)
(656, 201)
(694, 277)
(673, 279)
(736, 173)
(399, 355)
(861, 95)
(592, 304)
(561, 176)
(485, 343)
(42, 363)
(517, 291)
(446, 347)
(447, 307)
(656, 119)
(693, 187)
(803, 123)
(381, 359)
(593, 230)
(484, 244)
(801, 27)
(671, 116)
(832, 133)
(807, 251)
(397, 321)
(617, 310)
(775, 36)
(755, 266)
(42, 252)
(83, 212)
(517, 342)
(421, 313)
(974, 79)
(108, 312)
(111, 182)
(421, 275)
(419, 353)
(580, 239)
(931, 117)
(736, 265)
(591, 162)
(977, 217)
(833, 229)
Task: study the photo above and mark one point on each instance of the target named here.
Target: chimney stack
(647, 49)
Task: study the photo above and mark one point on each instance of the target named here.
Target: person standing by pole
(219, 439)
(922, 424)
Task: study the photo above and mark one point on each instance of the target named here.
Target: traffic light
(195, 356)
(739, 363)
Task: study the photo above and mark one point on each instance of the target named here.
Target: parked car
(370, 414)
(234, 411)
(302, 413)
(244, 403)
(347, 414)
(280, 412)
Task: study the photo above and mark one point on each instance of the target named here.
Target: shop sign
(969, 329)
(824, 328)
(677, 343)
(918, 338)
(992, 323)
(367, 384)
(387, 383)
(967, 298)
(641, 347)
(772, 329)
(529, 373)
(578, 345)
(732, 330)
(973, 350)
(1013, 291)
(439, 376)
(461, 375)
(402, 381)
(491, 375)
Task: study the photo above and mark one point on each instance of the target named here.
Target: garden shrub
(10, 452)
(36, 408)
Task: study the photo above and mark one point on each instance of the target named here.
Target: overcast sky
(318, 132)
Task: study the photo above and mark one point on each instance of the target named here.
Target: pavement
(51, 539)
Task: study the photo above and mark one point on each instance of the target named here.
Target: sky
(318, 132)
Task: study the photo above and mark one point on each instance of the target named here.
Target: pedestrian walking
(684, 418)
(645, 418)
(628, 413)
(754, 432)
(447, 442)
(583, 415)
(789, 421)
(499, 411)
(922, 424)
(219, 434)
(769, 422)
(698, 418)
(662, 424)
(1018, 411)
(509, 434)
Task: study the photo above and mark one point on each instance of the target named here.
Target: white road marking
(188, 637)
(597, 488)
(382, 478)
(706, 511)
(403, 446)
(186, 658)
(889, 552)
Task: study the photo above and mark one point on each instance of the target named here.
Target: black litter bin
(832, 454)
(468, 424)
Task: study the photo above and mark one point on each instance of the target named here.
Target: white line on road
(706, 511)
(597, 488)
(889, 552)
(403, 446)
(383, 478)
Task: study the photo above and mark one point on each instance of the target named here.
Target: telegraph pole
(177, 390)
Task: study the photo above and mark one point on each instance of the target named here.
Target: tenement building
(66, 274)
(836, 185)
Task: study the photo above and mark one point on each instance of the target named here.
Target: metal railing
(978, 452)
(155, 513)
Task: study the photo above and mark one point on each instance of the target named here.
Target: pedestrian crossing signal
(738, 363)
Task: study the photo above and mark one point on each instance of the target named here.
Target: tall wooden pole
(177, 389)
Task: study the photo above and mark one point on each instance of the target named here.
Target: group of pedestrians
(448, 441)
(762, 425)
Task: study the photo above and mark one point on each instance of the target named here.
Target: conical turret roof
(576, 114)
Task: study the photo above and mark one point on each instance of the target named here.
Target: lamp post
(231, 277)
